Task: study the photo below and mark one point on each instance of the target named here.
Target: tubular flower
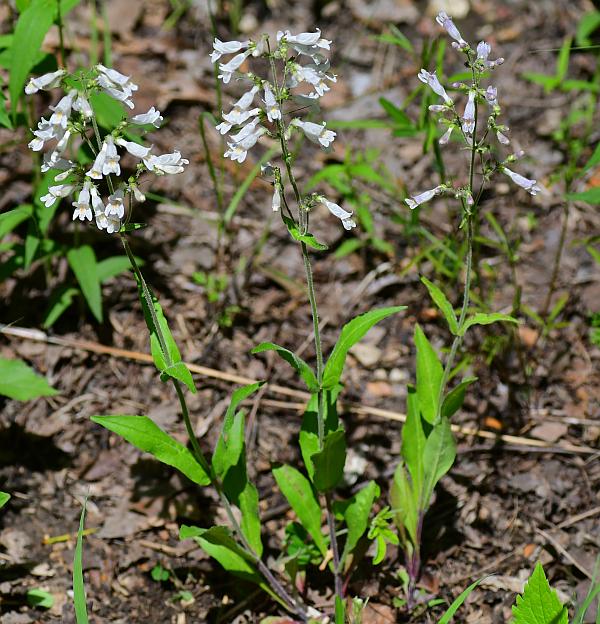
(337, 211)
(239, 150)
(45, 82)
(226, 47)
(135, 149)
(446, 136)
(227, 69)
(111, 160)
(433, 82)
(272, 110)
(115, 206)
(317, 133)
(417, 200)
(446, 22)
(166, 163)
(83, 210)
(529, 185)
(153, 117)
(54, 192)
(468, 118)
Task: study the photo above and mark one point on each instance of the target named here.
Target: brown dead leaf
(528, 335)
(549, 431)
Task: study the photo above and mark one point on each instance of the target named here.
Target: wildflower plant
(428, 449)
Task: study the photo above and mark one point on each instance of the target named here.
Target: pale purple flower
(433, 82)
(446, 22)
(529, 185)
(502, 138)
(468, 118)
(491, 95)
(446, 136)
(417, 200)
(276, 201)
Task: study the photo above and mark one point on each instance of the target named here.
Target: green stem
(61, 41)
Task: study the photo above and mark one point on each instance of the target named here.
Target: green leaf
(357, 514)
(60, 300)
(4, 498)
(247, 501)
(539, 603)
(351, 333)
(39, 598)
(562, 62)
(440, 300)
(340, 610)
(485, 319)
(79, 599)
(19, 381)
(302, 499)
(32, 26)
(396, 114)
(113, 266)
(429, 376)
(132, 227)
(548, 82)
(438, 456)
(348, 246)
(404, 498)
(10, 219)
(145, 435)
(308, 239)
(591, 596)
(108, 112)
(592, 196)
(158, 573)
(413, 439)
(453, 608)
(594, 158)
(455, 398)
(82, 261)
(165, 362)
(358, 124)
(297, 363)
(329, 462)
(397, 38)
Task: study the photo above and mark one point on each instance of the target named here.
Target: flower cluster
(480, 64)
(73, 120)
(261, 109)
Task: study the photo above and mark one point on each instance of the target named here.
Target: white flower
(446, 136)
(276, 201)
(239, 150)
(82, 105)
(247, 130)
(97, 203)
(153, 117)
(227, 69)
(468, 118)
(165, 163)
(115, 93)
(115, 206)
(502, 138)
(529, 185)
(446, 22)
(305, 38)
(483, 51)
(62, 110)
(491, 95)
(45, 131)
(45, 82)
(83, 210)
(135, 149)
(437, 108)
(54, 192)
(117, 79)
(315, 132)
(113, 224)
(272, 111)
(434, 83)
(339, 212)
(111, 159)
(298, 43)
(417, 200)
(239, 113)
(53, 160)
(314, 76)
(226, 47)
(96, 171)
(61, 146)
(139, 196)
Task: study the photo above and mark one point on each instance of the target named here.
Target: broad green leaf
(455, 398)
(539, 603)
(60, 300)
(404, 498)
(438, 456)
(486, 319)
(109, 113)
(548, 82)
(308, 239)
(32, 26)
(302, 499)
(39, 598)
(145, 435)
(329, 462)
(351, 333)
(297, 363)
(250, 525)
(4, 498)
(10, 219)
(443, 304)
(340, 610)
(82, 261)
(413, 439)
(32, 243)
(429, 376)
(113, 266)
(457, 603)
(154, 316)
(357, 514)
(79, 599)
(591, 196)
(19, 381)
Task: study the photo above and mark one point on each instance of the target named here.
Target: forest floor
(507, 502)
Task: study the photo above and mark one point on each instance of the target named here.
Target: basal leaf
(329, 462)
(357, 514)
(443, 304)
(438, 456)
(297, 363)
(4, 498)
(539, 603)
(308, 239)
(300, 495)
(145, 435)
(404, 498)
(429, 376)
(19, 381)
(413, 439)
(351, 333)
(486, 319)
(82, 261)
(79, 598)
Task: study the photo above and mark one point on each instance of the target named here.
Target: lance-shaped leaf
(405, 502)
(79, 598)
(329, 461)
(351, 333)
(539, 603)
(302, 499)
(429, 376)
(456, 604)
(298, 364)
(167, 359)
(486, 319)
(438, 456)
(308, 239)
(413, 440)
(82, 261)
(4, 498)
(356, 515)
(19, 381)
(145, 435)
(440, 300)
(455, 398)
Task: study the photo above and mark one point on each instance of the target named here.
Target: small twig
(565, 553)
